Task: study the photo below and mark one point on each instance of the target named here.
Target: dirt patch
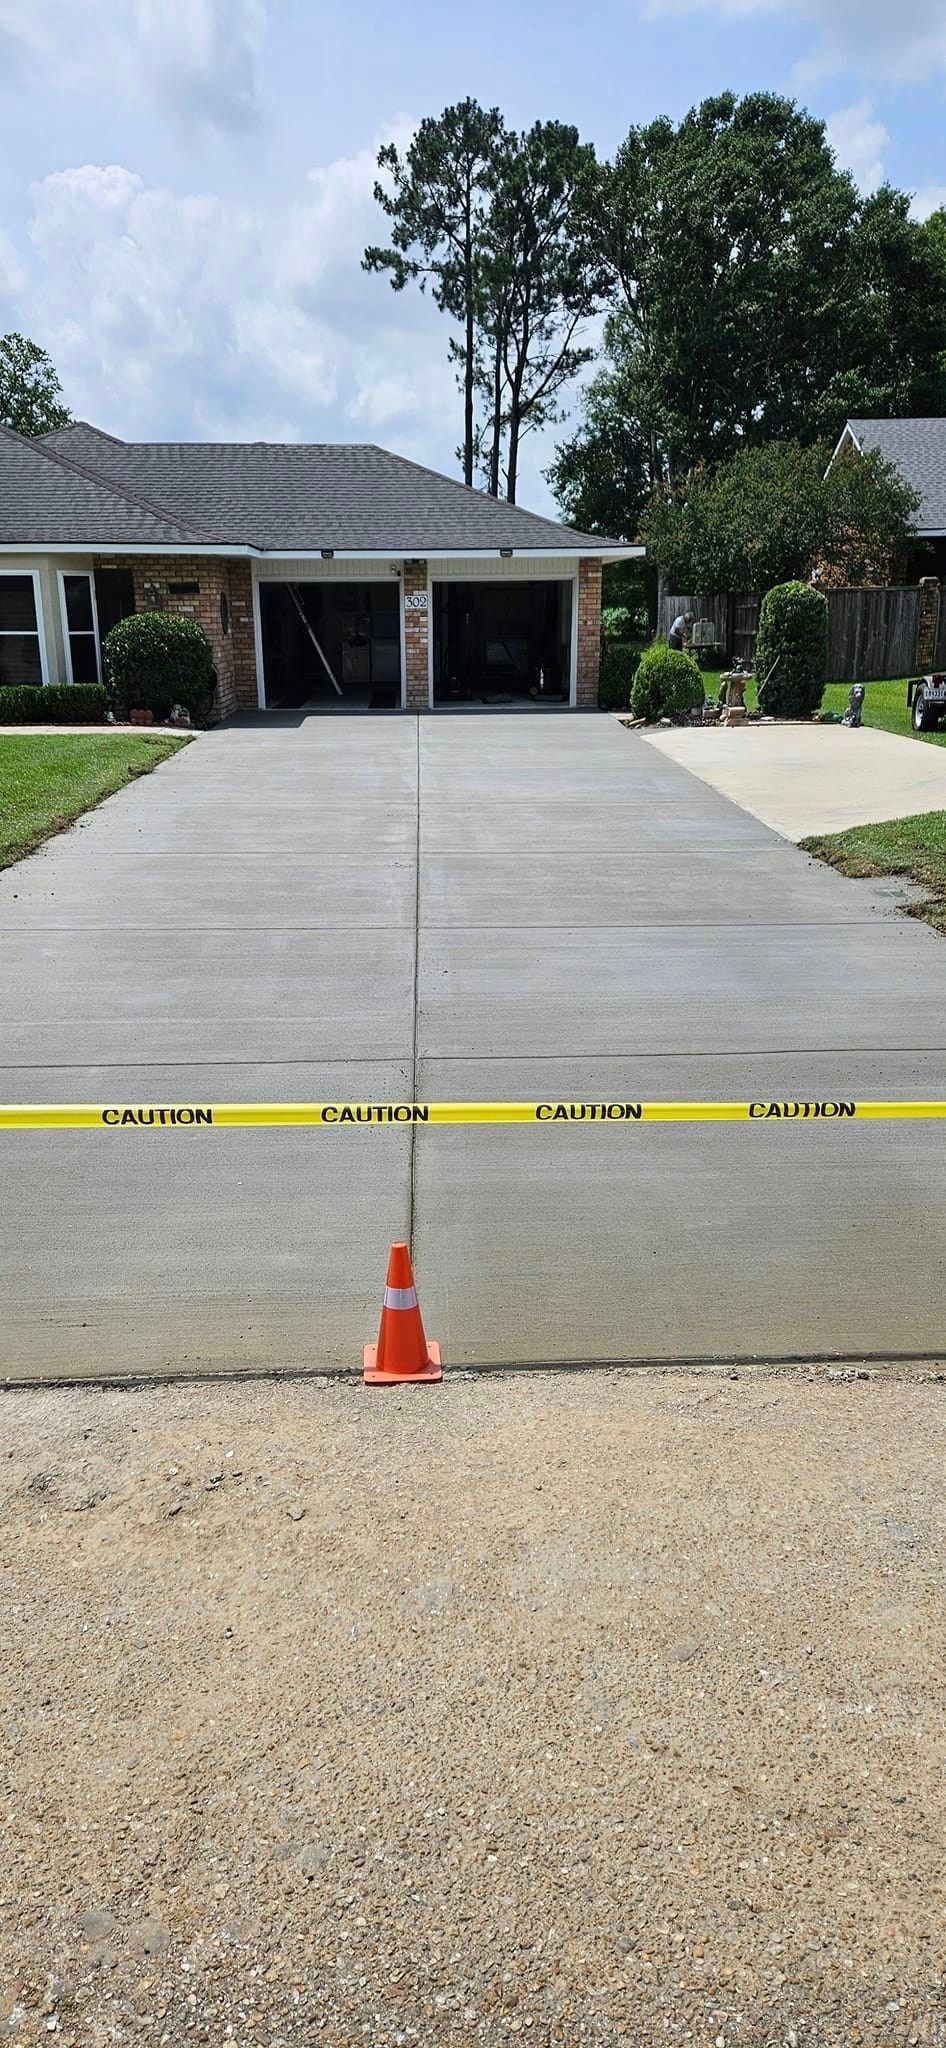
(595, 1709)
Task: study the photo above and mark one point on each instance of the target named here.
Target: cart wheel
(924, 719)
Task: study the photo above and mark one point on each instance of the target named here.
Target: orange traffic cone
(402, 1352)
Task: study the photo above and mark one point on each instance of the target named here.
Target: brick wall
(416, 639)
(234, 648)
(589, 632)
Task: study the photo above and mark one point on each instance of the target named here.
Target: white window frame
(64, 616)
(40, 623)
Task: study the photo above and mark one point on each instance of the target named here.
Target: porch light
(327, 554)
(506, 553)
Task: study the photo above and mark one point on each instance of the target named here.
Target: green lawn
(901, 846)
(885, 705)
(48, 781)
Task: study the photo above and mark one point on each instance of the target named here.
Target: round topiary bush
(154, 660)
(668, 684)
(616, 676)
(791, 652)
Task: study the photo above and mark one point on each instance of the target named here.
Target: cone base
(433, 1370)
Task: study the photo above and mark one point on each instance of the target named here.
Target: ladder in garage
(296, 595)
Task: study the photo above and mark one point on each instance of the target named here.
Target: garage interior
(332, 646)
(502, 642)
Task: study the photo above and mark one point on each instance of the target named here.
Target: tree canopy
(30, 391)
(770, 515)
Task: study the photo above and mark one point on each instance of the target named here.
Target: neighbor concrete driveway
(466, 907)
(806, 779)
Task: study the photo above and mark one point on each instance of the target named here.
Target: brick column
(589, 632)
(243, 635)
(927, 624)
(416, 637)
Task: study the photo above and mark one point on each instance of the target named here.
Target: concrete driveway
(465, 907)
(805, 779)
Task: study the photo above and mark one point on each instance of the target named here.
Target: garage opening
(502, 643)
(331, 646)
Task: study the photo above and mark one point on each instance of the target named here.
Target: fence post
(927, 624)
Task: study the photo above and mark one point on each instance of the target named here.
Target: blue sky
(185, 185)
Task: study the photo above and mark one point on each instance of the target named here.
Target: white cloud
(928, 200)
(196, 56)
(185, 315)
(865, 36)
(859, 142)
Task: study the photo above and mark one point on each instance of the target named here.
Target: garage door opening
(331, 646)
(502, 643)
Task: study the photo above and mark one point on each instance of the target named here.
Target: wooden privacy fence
(871, 633)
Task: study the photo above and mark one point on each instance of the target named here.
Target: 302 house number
(416, 601)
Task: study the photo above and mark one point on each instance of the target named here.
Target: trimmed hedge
(58, 704)
(616, 675)
(154, 660)
(668, 684)
(792, 650)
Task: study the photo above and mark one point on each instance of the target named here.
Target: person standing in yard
(679, 631)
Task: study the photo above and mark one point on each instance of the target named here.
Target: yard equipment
(926, 701)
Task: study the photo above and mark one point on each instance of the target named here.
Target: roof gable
(917, 448)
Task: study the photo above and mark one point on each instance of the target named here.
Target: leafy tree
(772, 514)
(542, 276)
(602, 478)
(891, 359)
(727, 239)
(435, 199)
(30, 390)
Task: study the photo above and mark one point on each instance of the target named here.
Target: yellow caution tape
(201, 1116)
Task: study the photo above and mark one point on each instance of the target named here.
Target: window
(79, 628)
(21, 656)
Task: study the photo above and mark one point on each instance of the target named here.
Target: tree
(29, 388)
(727, 239)
(435, 199)
(771, 515)
(891, 357)
(542, 276)
(602, 478)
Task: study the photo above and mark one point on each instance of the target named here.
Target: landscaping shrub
(21, 704)
(74, 704)
(154, 660)
(668, 684)
(60, 704)
(618, 663)
(792, 650)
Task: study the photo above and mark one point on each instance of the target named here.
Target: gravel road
(594, 1709)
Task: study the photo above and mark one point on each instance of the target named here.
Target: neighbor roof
(296, 498)
(918, 450)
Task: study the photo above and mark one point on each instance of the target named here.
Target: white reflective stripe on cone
(400, 1297)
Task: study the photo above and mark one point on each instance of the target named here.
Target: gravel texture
(586, 1709)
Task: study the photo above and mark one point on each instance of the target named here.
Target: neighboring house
(338, 576)
(917, 448)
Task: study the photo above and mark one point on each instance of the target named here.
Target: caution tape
(220, 1116)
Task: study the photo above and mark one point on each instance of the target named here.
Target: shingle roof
(918, 450)
(45, 499)
(297, 497)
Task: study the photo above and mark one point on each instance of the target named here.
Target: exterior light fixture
(328, 554)
(506, 553)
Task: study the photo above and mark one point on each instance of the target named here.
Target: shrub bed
(668, 684)
(155, 660)
(58, 704)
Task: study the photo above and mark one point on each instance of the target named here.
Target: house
(917, 448)
(338, 576)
